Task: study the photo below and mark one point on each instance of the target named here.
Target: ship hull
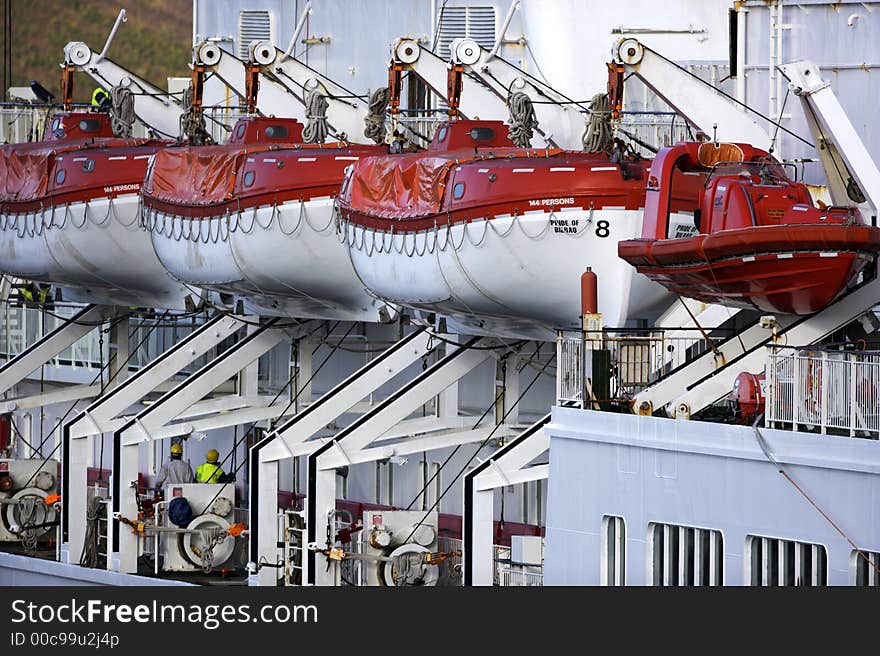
(287, 259)
(96, 247)
(517, 276)
(789, 269)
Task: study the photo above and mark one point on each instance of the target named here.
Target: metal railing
(613, 366)
(295, 538)
(520, 577)
(21, 326)
(824, 390)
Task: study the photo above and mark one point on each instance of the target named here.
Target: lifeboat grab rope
(316, 129)
(374, 121)
(522, 119)
(598, 133)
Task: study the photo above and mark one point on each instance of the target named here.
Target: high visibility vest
(98, 91)
(209, 472)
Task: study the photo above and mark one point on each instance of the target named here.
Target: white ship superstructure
(395, 413)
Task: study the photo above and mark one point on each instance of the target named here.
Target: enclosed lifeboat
(759, 243)
(70, 214)
(254, 218)
(497, 237)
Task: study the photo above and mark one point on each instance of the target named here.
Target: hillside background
(155, 43)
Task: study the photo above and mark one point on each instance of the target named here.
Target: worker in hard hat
(100, 97)
(31, 292)
(175, 470)
(210, 470)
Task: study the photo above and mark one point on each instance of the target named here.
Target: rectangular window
(253, 25)
(776, 562)
(613, 551)
(384, 484)
(683, 555)
(533, 503)
(429, 471)
(341, 485)
(866, 568)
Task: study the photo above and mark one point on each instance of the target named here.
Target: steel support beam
(697, 101)
(51, 344)
(97, 418)
(296, 433)
(510, 466)
(362, 432)
(146, 424)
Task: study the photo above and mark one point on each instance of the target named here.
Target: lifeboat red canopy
(264, 163)
(756, 240)
(36, 174)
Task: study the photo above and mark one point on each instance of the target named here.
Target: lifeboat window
(441, 135)
(239, 131)
(276, 132)
(249, 178)
(458, 190)
(90, 125)
(482, 134)
(56, 124)
(88, 166)
(59, 177)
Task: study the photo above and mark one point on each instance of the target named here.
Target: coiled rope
(192, 123)
(522, 119)
(95, 511)
(316, 129)
(375, 118)
(122, 114)
(598, 134)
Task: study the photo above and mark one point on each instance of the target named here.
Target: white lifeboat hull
(286, 259)
(513, 276)
(97, 251)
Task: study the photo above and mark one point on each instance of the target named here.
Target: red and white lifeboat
(70, 215)
(255, 218)
(497, 237)
(762, 243)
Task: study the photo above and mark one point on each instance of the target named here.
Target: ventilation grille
(253, 25)
(477, 23)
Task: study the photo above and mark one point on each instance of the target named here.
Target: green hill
(155, 43)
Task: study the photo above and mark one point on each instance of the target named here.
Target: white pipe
(195, 22)
(503, 31)
(296, 32)
(121, 18)
(741, 13)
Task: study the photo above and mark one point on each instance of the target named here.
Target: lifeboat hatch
(73, 126)
(459, 135)
(266, 130)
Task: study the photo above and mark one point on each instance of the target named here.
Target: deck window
(866, 568)
(684, 555)
(613, 551)
(384, 483)
(777, 562)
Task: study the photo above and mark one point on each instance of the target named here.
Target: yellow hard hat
(212, 455)
(176, 450)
